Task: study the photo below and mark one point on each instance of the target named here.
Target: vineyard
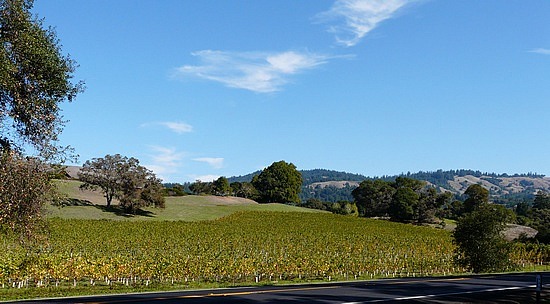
(243, 248)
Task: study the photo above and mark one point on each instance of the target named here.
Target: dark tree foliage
(404, 200)
(221, 187)
(477, 196)
(480, 244)
(341, 207)
(323, 175)
(34, 79)
(522, 209)
(373, 197)
(174, 189)
(125, 179)
(536, 216)
(201, 188)
(430, 204)
(403, 204)
(542, 200)
(328, 193)
(140, 188)
(540, 220)
(279, 183)
(452, 209)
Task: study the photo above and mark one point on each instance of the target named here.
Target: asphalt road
(501, 288)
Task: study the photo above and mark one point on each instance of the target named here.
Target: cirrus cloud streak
(215, 162)
(259, 72)
(359, 17)
(541, 51)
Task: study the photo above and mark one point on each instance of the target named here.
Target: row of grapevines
(244, 247)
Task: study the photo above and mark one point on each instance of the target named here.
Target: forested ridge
(504, 188)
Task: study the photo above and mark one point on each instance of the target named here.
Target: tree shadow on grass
(66, 202)
(119, 211)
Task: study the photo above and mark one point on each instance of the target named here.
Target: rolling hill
(85, 204)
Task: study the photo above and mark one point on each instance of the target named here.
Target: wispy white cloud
(254, 71)
(215, 162)
(204, 178)
(178, 127)
(165, 161)
(359, 17)
(541, 51)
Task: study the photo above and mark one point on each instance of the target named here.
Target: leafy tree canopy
(221, 186)
(478, 236)
(123, 178)
(477, 196)
(542, 200)
(279, 183)
(34, 79)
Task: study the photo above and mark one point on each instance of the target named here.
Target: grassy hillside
(91, 205)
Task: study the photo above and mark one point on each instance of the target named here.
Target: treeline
(328, 193)
(323, 175)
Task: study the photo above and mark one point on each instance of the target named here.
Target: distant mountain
(332, 186)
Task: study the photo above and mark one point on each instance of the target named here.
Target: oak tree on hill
(123, 178)
(279, 183)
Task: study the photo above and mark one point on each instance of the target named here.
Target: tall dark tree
(35, 78)
(542, 200)
(279, 183)
(477, 196)
(221, 186)
(403, 204)
(373, 197)
(478, 236)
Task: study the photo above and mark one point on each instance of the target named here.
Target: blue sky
(201, 89)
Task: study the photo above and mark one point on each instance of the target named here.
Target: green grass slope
(91, 205)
